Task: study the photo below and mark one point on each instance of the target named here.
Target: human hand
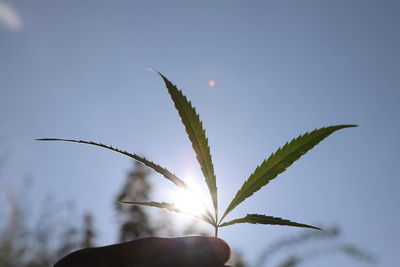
(192, 251)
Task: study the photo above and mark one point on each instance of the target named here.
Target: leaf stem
(216, 231)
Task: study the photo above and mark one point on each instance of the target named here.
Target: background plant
(269, 169)
(303, 247)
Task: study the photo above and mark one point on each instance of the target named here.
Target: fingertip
(224, 249)
(190, 242)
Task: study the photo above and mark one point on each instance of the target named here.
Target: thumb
(213, 253)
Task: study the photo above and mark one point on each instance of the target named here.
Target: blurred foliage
(237, 259)
(299, 249)
(89, 232)
(133, 221)
(34, 234)
(39, 240)
(33, 241)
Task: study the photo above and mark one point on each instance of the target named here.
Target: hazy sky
(77, 69)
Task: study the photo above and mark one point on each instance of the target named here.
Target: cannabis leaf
(197, 135)
(168, 206)
(161, 170)
(263, 219)
(167, 174)
(279, 161)
(269, 169)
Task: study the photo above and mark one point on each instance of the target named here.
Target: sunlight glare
(188, 202)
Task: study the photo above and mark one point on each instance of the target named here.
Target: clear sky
(77, 69)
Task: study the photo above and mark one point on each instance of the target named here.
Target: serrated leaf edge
(279, 167)
(258, 219)
(161, 170)
(199, 141)
(170, 207)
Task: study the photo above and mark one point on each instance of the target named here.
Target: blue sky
(77, 69)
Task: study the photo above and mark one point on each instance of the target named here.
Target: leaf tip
(350, 125)
(155, 71)
(166, 81)
(151, 69)
(317, 228)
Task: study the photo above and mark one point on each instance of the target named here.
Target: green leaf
(163, 171)
(167, 174)
(263, 219)
(279, 161)
(170, 207)
(197, 135)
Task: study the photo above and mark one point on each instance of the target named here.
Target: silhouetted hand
(192, 251)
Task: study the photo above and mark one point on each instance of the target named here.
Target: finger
(210, 254)
(153, 249)
(83, 258)
(219, 246)
(148, 249)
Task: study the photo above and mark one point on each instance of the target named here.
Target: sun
(189, 202)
